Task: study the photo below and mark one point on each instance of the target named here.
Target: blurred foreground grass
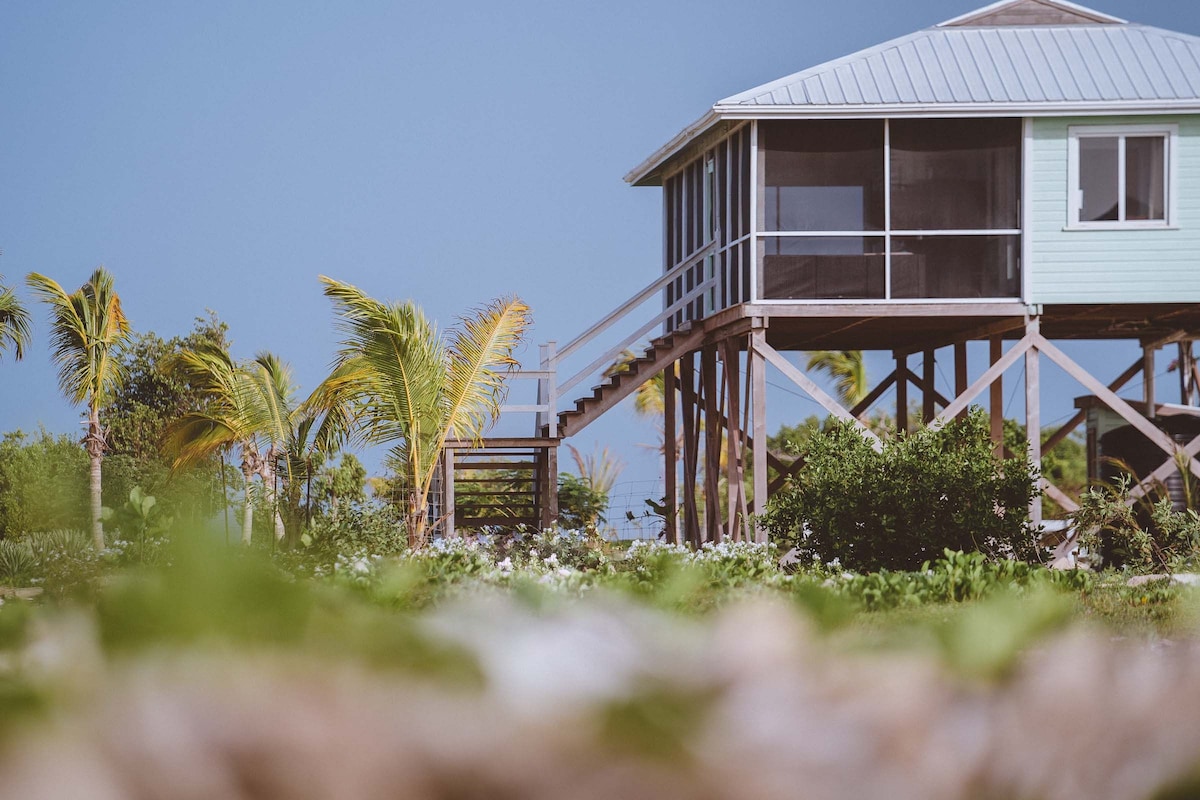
(226, 673)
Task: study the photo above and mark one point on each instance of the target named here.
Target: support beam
(865, 404)
(758, 414)
(928, 389)
(901, 392)
(691, 446)
(996, 398)
(1160, 475)
(1059, 496)
(1075, 421)
(1033, 413)
(938, 397)
(734, 470)
(448, 491)
(960, 372)
(1184, 367)
(1111, 400)
(815, 392)
(1148, 380)
(712, 445)
(550, 488)
(983, 381)
(785, 471)
(670, 456)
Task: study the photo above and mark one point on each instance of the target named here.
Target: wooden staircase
(501, 483)
(663, 351)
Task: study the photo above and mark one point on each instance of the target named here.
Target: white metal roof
(1044, 64)
(1096, 64)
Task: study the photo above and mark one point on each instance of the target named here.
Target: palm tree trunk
(94, 444)
(248, 509)
(416, 521)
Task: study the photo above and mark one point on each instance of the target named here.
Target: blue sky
(223, 154)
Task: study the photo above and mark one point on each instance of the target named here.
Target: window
(1121, 176)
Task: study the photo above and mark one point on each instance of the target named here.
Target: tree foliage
(925, 492)
(398, 381)
(14, 322)
(43, 484)
(87, 331)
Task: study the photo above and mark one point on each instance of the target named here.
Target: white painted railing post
(548, 387)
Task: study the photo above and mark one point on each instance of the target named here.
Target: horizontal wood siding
(1111, 266)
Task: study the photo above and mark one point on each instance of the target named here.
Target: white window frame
(1170, 134)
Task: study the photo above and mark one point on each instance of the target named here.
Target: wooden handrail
(613, 352)
(548, 388)
(639, 298)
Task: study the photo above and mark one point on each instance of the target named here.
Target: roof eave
(1075, 108)
(639, 174)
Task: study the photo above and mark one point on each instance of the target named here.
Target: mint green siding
(1110, 266)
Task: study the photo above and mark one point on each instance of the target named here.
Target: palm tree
(250, 407)
(87, 328)
(14, 322)
(848, 370)
(398, 381)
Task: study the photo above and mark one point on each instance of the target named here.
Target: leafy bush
(375, 530)
(1159, 539)
(17, 562)
(924, 493)
(580, 504)
(956, 577)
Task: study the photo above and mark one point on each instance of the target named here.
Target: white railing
(549, 389)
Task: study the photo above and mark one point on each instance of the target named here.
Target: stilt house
(1023, 174)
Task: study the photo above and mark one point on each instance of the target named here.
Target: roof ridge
(1074, 9)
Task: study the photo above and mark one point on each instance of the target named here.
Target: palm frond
(15, 323)
(847, 369)
(87, 328)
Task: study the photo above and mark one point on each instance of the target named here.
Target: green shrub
(924, 493)
(17, 562)
(1156, 538)
(375, 530)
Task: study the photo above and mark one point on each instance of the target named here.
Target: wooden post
(901, 392)
(1148, 380)
(928, 395)
(712, 445)
(1185, 371)
(996, 397)
(758, 410)
(687, 383)
(960, 372)
(550, 487)
(734, 471)
(1033, 415)
(670, 457)
(448, 491)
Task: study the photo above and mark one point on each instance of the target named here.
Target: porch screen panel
(955, 174)
(955, 267)
(823, 175)
(823, 267)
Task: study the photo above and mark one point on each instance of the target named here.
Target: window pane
(825, 267)
(956, 266)
(1098, 178)
(823, 175)
(955, 174)
(1145, 187)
